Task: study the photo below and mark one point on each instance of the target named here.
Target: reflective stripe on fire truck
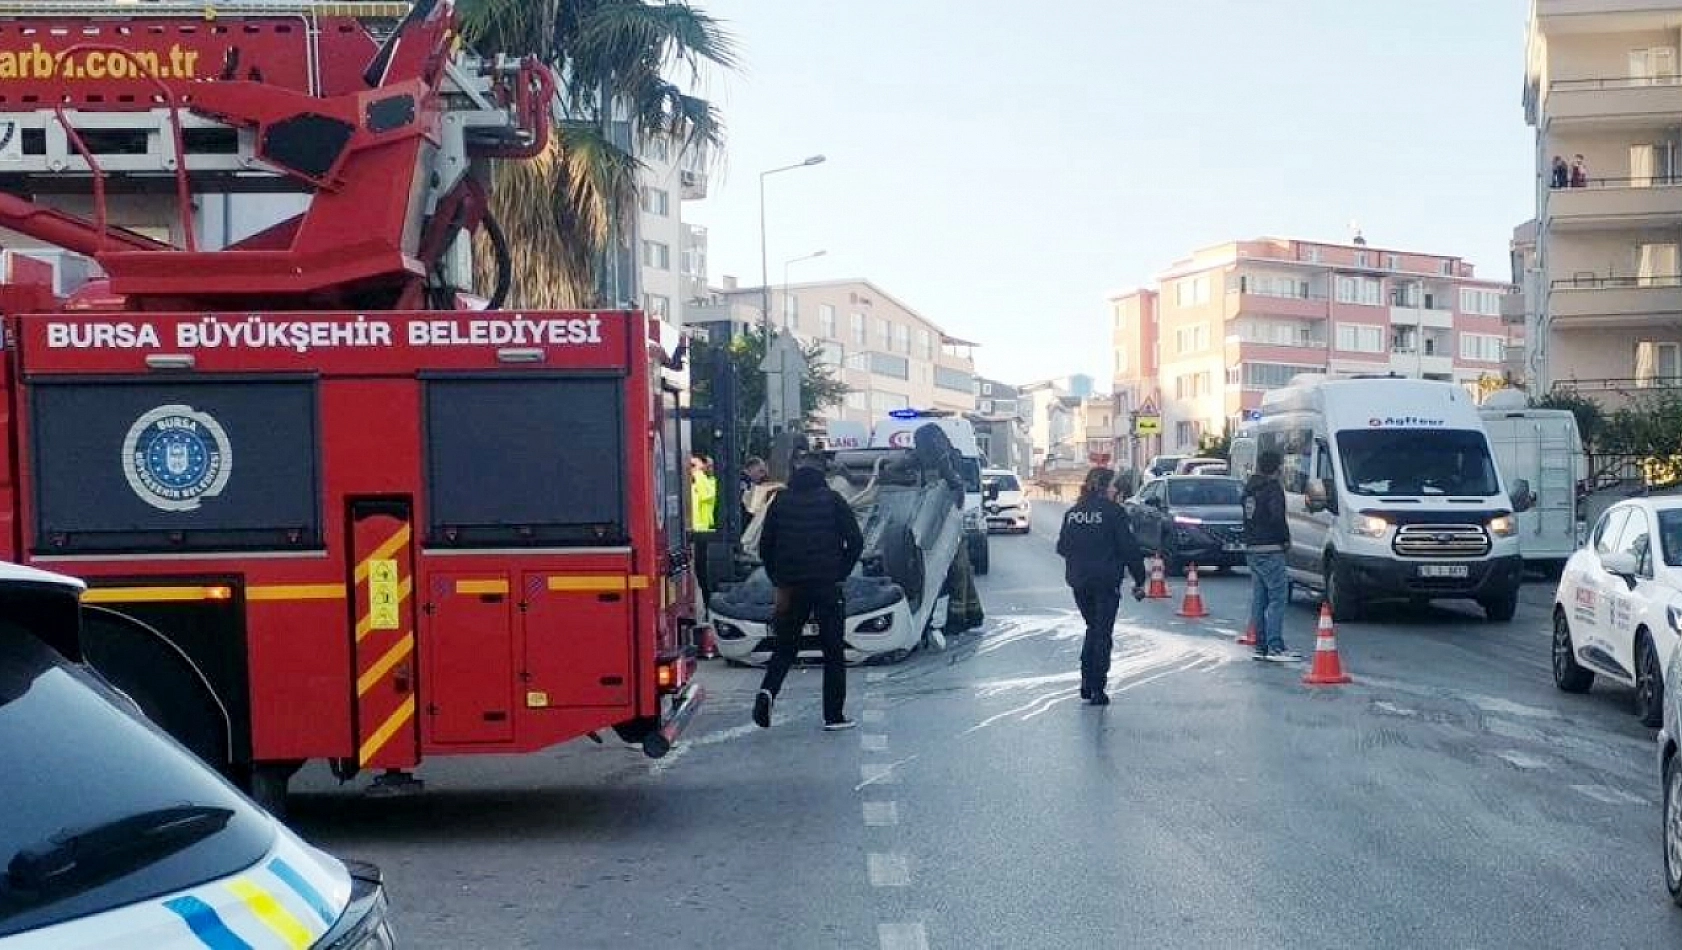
(190, 593)
(605, 584)
(385, 641)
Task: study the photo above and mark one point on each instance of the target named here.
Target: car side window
(1607, 531)
(1637, 540)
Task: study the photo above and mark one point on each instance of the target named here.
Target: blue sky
(1002, 170)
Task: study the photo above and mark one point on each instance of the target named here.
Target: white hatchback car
(1618, 607)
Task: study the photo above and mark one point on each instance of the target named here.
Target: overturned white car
(909, 503)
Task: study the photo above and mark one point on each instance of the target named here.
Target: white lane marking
(889, 870)
(902, 937)
(873, 743)
(875, 676)
(876, 773)
(874, 717)
(683, 746)
(1394, 709)
(1521, 761)
(881, 814)
(1609, 795)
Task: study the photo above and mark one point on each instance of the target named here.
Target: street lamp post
(786, 264)
(764, 262)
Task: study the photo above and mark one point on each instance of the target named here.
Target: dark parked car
(1191, 519)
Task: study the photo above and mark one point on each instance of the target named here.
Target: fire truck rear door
(383, 572)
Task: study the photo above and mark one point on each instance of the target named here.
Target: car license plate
(1444, 570)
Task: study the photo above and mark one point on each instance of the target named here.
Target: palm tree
(565, 211)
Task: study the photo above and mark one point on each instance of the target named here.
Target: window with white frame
(1485, 303)
(1273, 285)
(1658, 363)
(830, 354)
(656, 305)
(857, 399)
(1656, 65)
(882, 403)
(1360, 338)
(1360, 258)
(902, 338)
(884, 334)
(826, 320)
(1120, 360)
(1392, 262)
(858, 330)
(1193, 339)
(791, 311)
(1278, 333)
(1264, 376)
(656, 201)
(1482, 347)
(1189, 434)
(925, 344)
(1359, 290)
(656, 255)
(1194, 385)
(1192, 291)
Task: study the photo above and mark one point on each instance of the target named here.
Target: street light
(764, 263)
(807, 257)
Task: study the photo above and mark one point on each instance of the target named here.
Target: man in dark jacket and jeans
(809, 544)
(1267, 539)
(1098, 548)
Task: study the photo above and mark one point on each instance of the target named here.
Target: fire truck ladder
(106, 107)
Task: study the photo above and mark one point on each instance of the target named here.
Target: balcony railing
(1623, 386)
(1614, 82)
(1601, 283)
(1635, 181)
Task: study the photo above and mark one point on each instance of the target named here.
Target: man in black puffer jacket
(809, 544)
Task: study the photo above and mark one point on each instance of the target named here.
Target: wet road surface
(1450, 797)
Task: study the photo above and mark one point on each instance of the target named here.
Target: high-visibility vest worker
(703, 495)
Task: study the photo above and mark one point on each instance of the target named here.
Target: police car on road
(115, 836)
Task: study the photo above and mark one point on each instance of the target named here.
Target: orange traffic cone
(1248, 638)
(1158, 589)
(1192, 606)
(1328, 668)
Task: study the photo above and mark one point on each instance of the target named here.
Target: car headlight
(364, 925)
(1370, 526)
(877, 624)
(1187, 519)
(1503, 526)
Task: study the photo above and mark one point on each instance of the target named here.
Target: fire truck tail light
(512, 354)
(218, 593)
(666, 675)
(170, 361)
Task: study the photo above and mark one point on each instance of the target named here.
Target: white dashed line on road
(881, 814)
(874, 717)
(889, 870)
(873, 743)
(902, 937)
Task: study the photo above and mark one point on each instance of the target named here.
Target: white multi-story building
(888, 354)
(1603, 90)
(671, 256)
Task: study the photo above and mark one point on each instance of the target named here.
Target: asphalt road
(1450, 797)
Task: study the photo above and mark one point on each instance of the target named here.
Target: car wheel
(1673, 829)
(1345, 607)
(1649, 682)
(1500, 609)
(1568, 675)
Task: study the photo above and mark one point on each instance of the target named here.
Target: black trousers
(1098, 605)
(795, 606)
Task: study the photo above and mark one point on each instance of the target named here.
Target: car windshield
(100, 810)
(1417, 462)
(1670, 535)
(1204, 492)
(1005, 482)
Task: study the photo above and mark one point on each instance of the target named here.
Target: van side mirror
(1321, 496)
(1522, 497)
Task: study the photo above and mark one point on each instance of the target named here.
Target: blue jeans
(1270, 588)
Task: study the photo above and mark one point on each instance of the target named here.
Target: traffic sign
(1147, 425)
(1148, 409)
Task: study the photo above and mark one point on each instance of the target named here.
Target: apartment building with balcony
(669, 251)
(1232, 321)
(888, 354)
(1001, 426)
(1603, 280)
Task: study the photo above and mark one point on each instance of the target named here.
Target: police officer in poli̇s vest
(1098, 548)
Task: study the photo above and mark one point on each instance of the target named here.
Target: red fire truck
(326, 510)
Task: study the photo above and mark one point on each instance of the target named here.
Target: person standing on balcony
(1579, 173)
(1562, 172)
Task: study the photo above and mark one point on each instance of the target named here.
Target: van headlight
(1370, 526)
(1503, 526)
(877, 624)
(364, 925)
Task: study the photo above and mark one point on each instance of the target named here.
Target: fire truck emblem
(175, 455)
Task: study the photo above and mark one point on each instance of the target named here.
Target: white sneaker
(839, 725)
